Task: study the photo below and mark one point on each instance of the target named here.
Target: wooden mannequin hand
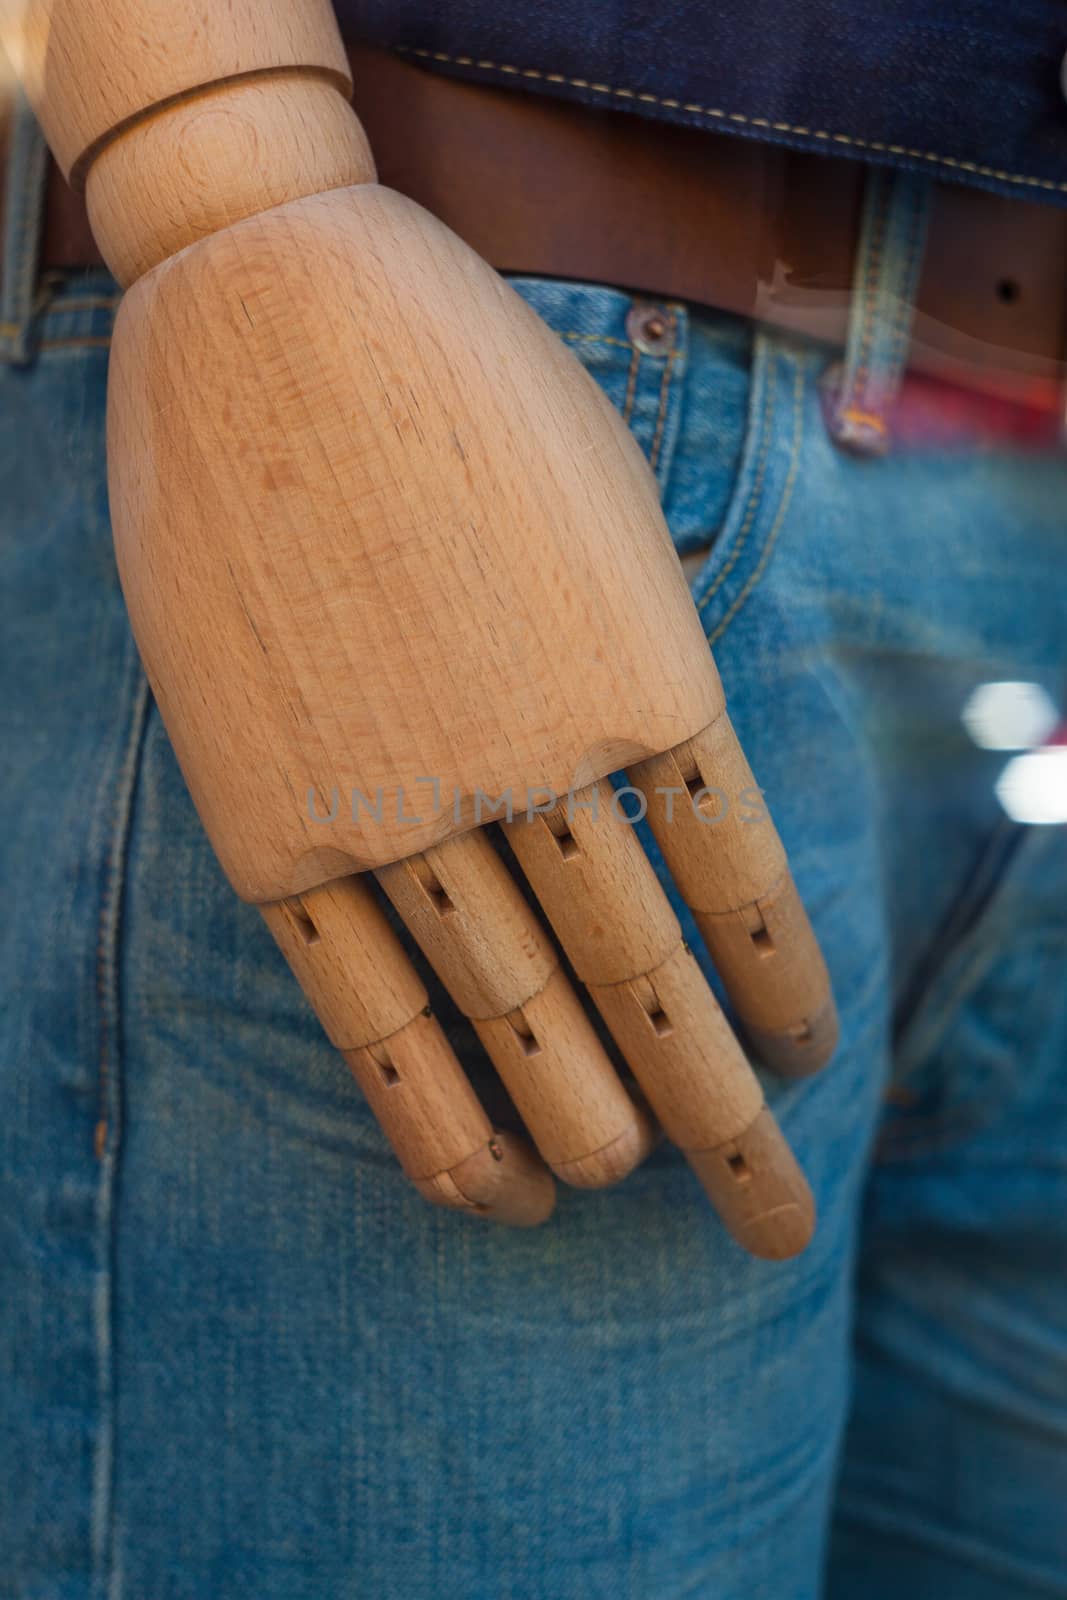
(392, 561)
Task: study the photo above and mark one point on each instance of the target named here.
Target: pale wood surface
(689, 1063)
(486, 944)
(376, 525)
(597, 887)
(774, 1218)
(421, 1096)
(612, 917)
(349, 962)
(374, 1008)
(93, 65)
(326, 508)
(209, 161)
(567, 1091)
(704, 801)
(471, 922)
(724, 853)
(503, 1181)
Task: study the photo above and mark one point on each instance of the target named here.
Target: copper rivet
(648, 328)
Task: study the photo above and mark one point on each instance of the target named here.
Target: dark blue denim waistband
(967, 90)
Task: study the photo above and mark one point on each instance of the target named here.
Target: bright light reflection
(1009, 716)
(1033, 788)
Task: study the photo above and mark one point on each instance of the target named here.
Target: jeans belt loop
(860, 391)
(25, 192)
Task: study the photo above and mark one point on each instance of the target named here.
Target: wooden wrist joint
(179, 120)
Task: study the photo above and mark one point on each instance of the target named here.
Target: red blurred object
(934, 415)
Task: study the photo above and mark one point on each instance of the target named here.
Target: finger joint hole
(303, 924)
(651, 1005)
(529, 1043)
(740, 1170)
(431, 886)
(383, 1061)
(558, 824)
(759, 933)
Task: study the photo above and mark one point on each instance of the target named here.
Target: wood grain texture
(687, 1059)
(349, 962)
(757, 1188)
(705, 806)
(393, 562)
(597, 886)
(724, 853)
(434, 1121)
(471, 922)
(93, 66)
(210, 160)
(489, 949)
(503, 1181)
(375, 523)
(566, 1090)
(609, 911)
(370, 1001)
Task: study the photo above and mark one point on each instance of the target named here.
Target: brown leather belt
(543, 187)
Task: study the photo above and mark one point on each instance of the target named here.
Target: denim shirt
(960, 89)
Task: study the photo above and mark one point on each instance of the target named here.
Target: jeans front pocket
(983, 1031)
(681, 380)
(755, 512)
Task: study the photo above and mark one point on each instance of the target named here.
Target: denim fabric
(240, 1357)
(967, 90)
(24, 188)
(861, 396)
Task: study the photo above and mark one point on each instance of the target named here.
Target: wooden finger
(600, 893)
(689, 1063)
(466, 912)
(373, 1007)
(724, 853)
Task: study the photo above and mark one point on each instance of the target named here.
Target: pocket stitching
(959, 974)
(753, 504)
(756, 575)
(661, 415)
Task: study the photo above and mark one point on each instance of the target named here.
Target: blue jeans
(240, 1357)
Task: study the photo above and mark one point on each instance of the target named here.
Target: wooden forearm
(176, 129)
(95, 67)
